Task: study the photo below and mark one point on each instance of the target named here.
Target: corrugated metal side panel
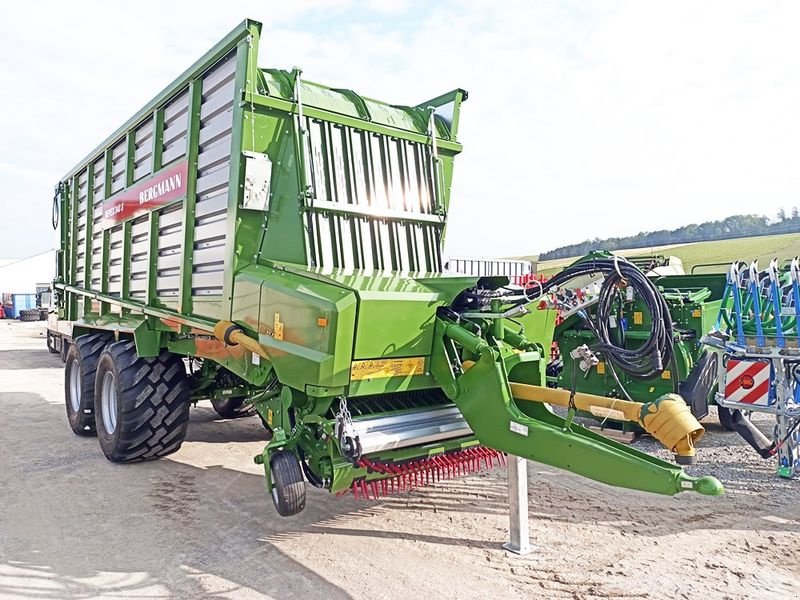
(176, 122)
(119, 162)
(198, 108)
(115, 255)
(97, 223)
(372, 172)
(83, 216)
(213, 171)
(140, 246)
(143, 156)
(170, 236)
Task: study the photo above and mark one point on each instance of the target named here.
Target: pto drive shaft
(667, 419)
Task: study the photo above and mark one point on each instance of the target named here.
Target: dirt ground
(199, 524)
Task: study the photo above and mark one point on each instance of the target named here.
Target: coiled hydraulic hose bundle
(655, 353)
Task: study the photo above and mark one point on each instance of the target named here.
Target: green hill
(762, 248)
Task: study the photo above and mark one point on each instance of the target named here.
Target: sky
(585, 119)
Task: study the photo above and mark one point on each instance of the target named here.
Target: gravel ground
(726, 456)
(199, 525)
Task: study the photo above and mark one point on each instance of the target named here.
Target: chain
(345, 432)
(344, 420)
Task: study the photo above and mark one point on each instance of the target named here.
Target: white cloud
(584, 119)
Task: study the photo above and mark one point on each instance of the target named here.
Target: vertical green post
(87, 253)
(158, 138)
(63, 213)
(72, 308)
(152, 265)
(192, 150)
(130, 155)
(104, 260)
(245, 82)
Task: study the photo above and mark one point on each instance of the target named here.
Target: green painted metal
(532, 431)
(693, 302)
(189, 204)
(313, 218)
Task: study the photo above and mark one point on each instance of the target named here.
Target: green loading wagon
(274, 245)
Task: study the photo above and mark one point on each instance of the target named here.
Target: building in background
(25, 282)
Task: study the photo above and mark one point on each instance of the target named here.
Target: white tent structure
(27, 275)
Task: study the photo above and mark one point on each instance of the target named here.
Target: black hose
(654, 355)
(56, 209)
(310, 475)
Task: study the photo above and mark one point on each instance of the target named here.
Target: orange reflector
(746, 382)
(322, 322)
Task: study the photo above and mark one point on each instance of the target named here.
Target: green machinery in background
(693, 303)
(273, 244)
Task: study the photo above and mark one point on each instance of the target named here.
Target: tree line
(737, 226)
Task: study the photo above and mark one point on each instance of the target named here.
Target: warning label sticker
(387, 367)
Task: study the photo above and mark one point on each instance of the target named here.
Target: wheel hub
(75, 386)
(108, 400)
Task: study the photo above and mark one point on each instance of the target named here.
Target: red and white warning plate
(747, 381)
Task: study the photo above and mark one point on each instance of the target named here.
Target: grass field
(762, 248)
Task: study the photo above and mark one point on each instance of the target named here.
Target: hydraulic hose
(654, 354)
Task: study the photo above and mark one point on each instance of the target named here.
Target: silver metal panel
(177, 109)
(167, 283)
(139, 267)
(214, 156)
(140, 227)
(373, 204)
(139, 245)
(169, 260)
(218, 100)
(140, 248)
(115, 254)
(213, 163)
(96, 250)
(170, 217)
(142, 157)
(391, 432)
(211, 227)
(99, 179)
(175, 150)
(82, 217)
(211, 254)
(138, 282)
(83, 191)
(95, 245)
(213, 130)
(119, 162)
(206, 283)
(170, 238)
(221, 73)
(214, 186)
(176, 121)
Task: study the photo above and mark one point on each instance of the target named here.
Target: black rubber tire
(152, 404)
(725, 416)
(83, 354)
(29, 315)
(232, 408)
(288, 485)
